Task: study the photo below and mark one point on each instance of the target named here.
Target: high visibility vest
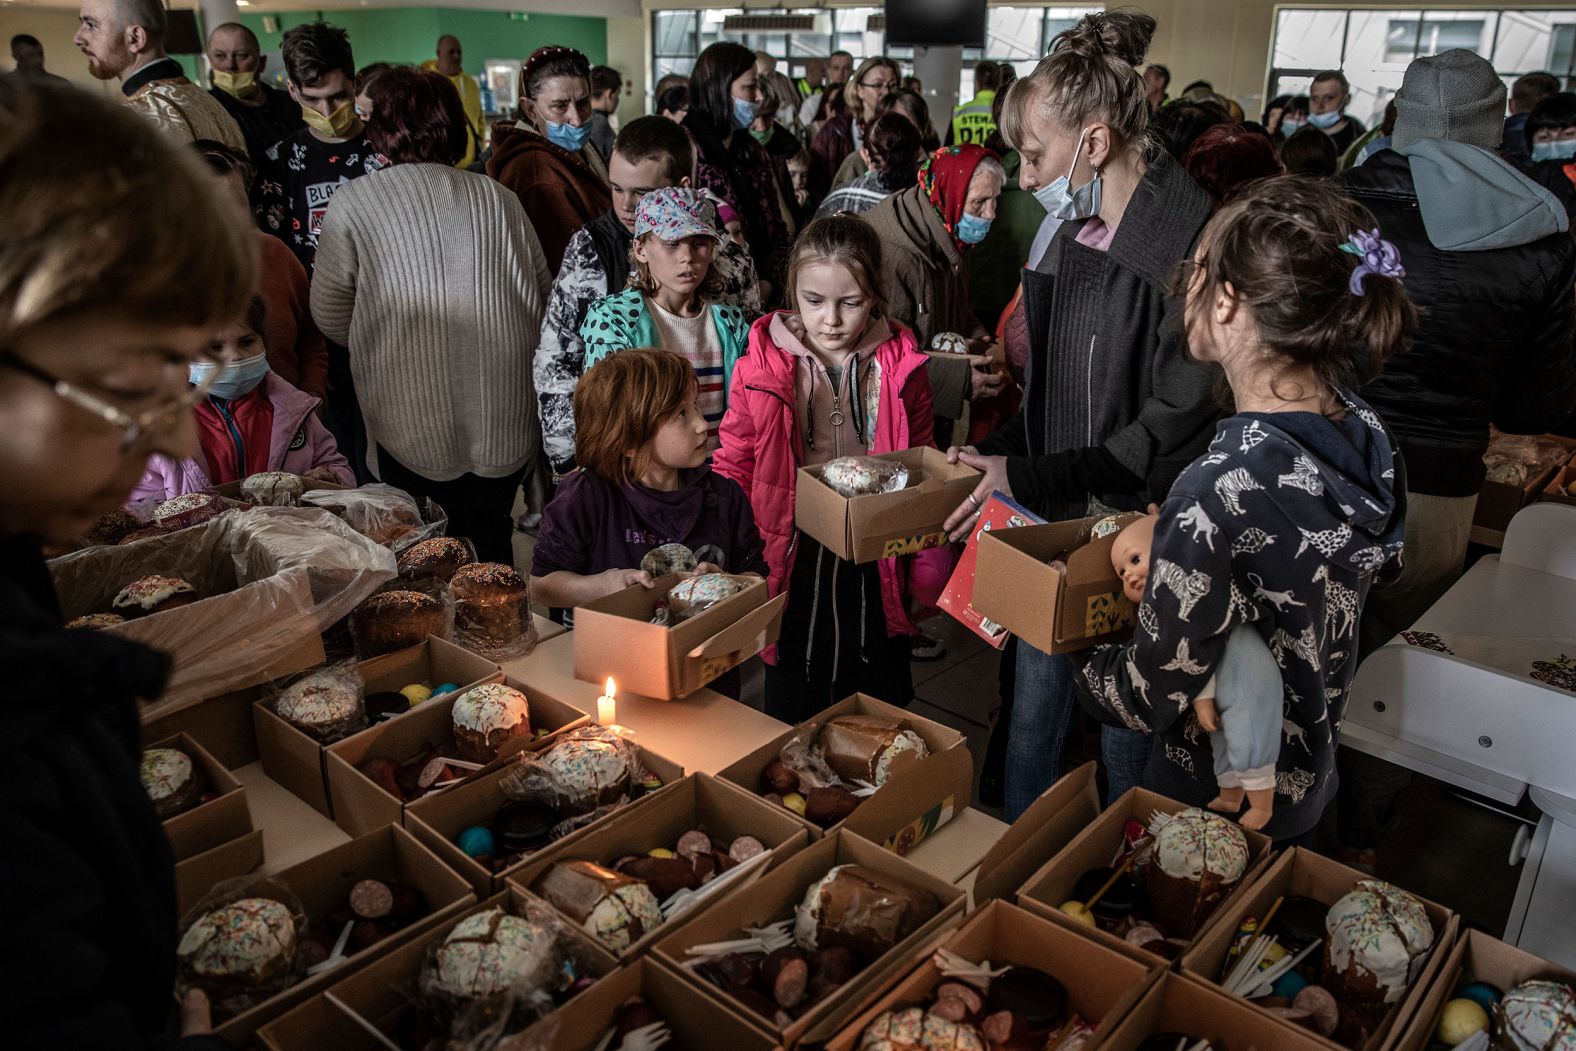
(803, 87)
(972, 122)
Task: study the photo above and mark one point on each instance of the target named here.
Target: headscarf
(945, 178)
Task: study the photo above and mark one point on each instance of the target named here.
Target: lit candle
(605, 715)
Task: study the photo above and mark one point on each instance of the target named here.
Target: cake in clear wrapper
(492, 610)
(863, 475)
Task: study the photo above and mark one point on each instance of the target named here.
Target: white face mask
(1082, 203)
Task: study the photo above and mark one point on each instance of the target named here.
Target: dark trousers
(478, 508)
(886, 676)
(342, 414)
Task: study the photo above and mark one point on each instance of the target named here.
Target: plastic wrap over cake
(384, 514)
(241, 944)
(863, 475)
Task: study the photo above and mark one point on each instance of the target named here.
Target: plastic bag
(695, 595)
(401, 614)
(386, 515)
(586, 769)
(862, 475)
(272, 578)
(492, 611)
(327, 704)
(669, 558)
(861, 909)
(200, 943)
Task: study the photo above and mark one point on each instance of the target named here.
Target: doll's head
(1130, 555)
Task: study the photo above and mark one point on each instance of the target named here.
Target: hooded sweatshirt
(1471, 201)
(560, 191)
(1284, 524)
(836, 418)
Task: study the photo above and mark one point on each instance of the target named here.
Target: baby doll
(1241, 705)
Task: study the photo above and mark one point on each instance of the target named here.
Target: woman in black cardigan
(1113, 410)
(119, 262)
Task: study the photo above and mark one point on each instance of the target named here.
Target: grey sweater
(436, 281)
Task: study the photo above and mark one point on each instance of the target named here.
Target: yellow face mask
(237, 85)
(336, 125)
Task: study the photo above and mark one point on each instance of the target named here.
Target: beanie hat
(1454, 95)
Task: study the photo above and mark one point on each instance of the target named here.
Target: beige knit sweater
(435, 280)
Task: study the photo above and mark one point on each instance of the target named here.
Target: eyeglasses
(883, 87)
(154, 421)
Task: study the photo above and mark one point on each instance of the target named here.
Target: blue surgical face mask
(972, 229)
(234, 380)
(1325, 121)
(570, 137)
(1082, 203)
(1291, 127)
(1554, 151)
(743, 112)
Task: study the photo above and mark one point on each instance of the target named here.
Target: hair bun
(1124, 34)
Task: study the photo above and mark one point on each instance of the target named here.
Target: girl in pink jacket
(833, 378)
(251, 421)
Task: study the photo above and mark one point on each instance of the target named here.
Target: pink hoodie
(763, 441)
(297, 443)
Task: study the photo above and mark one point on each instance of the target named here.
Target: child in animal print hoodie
(1298, 505)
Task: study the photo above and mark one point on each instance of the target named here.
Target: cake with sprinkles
(1378, 937)
(239, 946)
(489, 952)
(153, 594)
(172, 782)
(487, 717)
(1198, 858)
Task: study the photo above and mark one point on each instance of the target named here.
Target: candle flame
(611, 686)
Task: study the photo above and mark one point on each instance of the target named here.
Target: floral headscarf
(945, 178)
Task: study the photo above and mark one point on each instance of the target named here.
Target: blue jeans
(1042, 715)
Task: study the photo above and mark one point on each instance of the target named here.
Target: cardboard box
(700, 801)
(955, 849)
(999, 513)
(695, 1021)
(1099, 843)
(913, 803)
(223, 725)
(232, 490)
(215, 822)
(437, 819)
(1176, 1003)
(1475, 957)
(1101, 985)
(322, 884)
(383, 991)
(1302, 872)
(1558, 489)
(361, 804)
(885, 525)
(1053, 610)
(614, 636)
(1064, 810)
(1498, 503)
(775, 897)
(196, 876)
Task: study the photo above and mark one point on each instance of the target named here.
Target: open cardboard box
(215, 822)
(384, 990)
(361, 804)
(723, 811)
(437, 819)
(885, 525)
(195, 876)
(775, 896)
(1101, 985)
(914, 802)
(955, 849)
(1303, 873)
(1054, 611)
(323, 883)
(1177, 1003)
(1062, 811)
(223, 724)
(999, 513)
(1475, 957)
(614, 637)
(1558, 489)
(1498, 503)
(1099, 843)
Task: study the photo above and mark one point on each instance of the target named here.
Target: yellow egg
(1461, 1018)
(1078, 911)
(1275, 954)
(415, 693)
(659, 852)
(795, 802)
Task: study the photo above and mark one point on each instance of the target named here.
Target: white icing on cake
(905, 742)
(485, 954)
(490, 706)
(861, 475)
(318, 700)
(610, 922)
(1539, 1016)
(807, 916)
(242, 937)
(1194, 841)
(150, 591)
(915, 1029)
(165, 771)
(1381, 929)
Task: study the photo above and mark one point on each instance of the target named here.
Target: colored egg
(1289, 985)
(475, 841)
(1078, 912)
(1480, 993)
(659, 852)
(1275, 954)
(415, 693)
(1460, 1019)
(443, 688)
(795, 802)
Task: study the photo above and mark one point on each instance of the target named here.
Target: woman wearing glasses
(844, 133)
(118, 262)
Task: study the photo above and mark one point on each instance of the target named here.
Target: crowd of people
(1287, 338)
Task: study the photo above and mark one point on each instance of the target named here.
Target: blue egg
(442, 688)
(475, 841)
(1289, 985)
(1480, 993)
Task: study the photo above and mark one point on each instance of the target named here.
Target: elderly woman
(121, 256)
(546, 156)
(442, 365)
(926, 231)
(873, 83)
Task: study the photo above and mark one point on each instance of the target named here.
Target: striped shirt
(696, 340)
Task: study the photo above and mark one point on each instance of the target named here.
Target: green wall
(410, 34)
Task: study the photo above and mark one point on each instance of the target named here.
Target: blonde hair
(1091, 73)
(851, 89)
(840, 240)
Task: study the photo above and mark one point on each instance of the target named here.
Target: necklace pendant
(837, 417)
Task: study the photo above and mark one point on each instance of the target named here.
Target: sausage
(792, 981)
(371, 899)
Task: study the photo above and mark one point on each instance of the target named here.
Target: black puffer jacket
(89, 926)
(1494, 342)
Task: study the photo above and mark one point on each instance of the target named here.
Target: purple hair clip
(1375, 256)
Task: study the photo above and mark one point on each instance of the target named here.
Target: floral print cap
(674, 213)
